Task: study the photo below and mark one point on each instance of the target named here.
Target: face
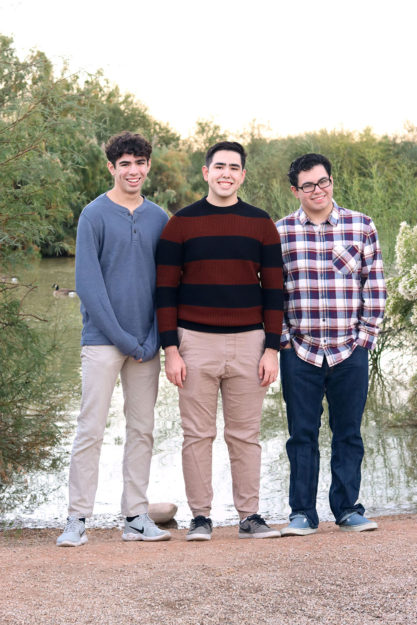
(224, 177)
(318, 203)
(129, 173)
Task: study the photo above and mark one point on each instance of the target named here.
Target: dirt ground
(331, 577)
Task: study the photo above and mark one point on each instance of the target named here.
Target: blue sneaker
(143, 528)
(355, 522)
(299, 526)
(74, 533)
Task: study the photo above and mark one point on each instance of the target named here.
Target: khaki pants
(101, 364)
(229, 363)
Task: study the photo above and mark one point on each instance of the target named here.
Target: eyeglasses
(308, 187)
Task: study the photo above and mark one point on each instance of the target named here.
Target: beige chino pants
(101, 364)
(229, 363)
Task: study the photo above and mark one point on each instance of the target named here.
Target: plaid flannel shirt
(334, 284)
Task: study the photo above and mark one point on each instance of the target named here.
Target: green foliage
(52, 132)
(32, 398)
(35, 176)
(402, 304)
(168, 184)
(401, 313)
(206, 133)
(374, 175)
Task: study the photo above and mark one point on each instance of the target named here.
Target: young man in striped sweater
(220, 308)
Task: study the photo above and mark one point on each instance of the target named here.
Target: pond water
(389, 476)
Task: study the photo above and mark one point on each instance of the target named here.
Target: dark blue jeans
(346, 387)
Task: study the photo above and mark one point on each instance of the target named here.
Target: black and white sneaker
(255, 527)
(200, 528)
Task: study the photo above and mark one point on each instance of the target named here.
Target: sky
(291, 67)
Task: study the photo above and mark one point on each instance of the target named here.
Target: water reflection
(389, 483)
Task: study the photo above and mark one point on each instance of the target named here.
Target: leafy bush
(32, 398)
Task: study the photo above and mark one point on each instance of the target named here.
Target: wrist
(171, 349)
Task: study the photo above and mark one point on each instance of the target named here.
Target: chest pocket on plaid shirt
(345, 259)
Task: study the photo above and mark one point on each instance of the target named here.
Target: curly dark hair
(127, 143)
(305, 163)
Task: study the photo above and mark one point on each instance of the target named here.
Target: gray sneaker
(255, 527)
(143, 528)
(200, 528)
(74, 534)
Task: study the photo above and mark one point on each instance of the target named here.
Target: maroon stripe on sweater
(220, 272)
(211, 225)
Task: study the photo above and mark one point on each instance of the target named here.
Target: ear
(295, 192)
(149, 165)
(204, 169)
(110, 167)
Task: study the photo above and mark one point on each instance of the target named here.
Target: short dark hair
(305, 163)
(127, 143)
(232, 146)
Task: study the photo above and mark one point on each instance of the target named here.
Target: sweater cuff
(169, 338)
(272, 340)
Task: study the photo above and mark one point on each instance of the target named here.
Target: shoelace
(146, 519)
(256, 518)
(200, 521)
(73, 525)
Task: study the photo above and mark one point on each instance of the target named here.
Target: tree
(37, 173)
(36, 180)
(168, 183)
(32, 398)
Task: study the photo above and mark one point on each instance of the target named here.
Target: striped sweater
(219, 269)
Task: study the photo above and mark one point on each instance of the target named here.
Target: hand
(268, 367)
(175, 368)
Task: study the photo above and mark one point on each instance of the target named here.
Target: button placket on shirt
(134, 227)
(321, 238)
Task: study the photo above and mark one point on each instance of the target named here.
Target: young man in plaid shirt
(334, 302)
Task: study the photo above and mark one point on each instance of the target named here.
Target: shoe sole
(300, 532)
(198, 537)
(68, 543)
(359, 528)
(274, 534)
(150, 539)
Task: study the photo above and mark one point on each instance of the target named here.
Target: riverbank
(331, 577)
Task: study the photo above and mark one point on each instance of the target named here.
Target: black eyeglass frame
(319, 184)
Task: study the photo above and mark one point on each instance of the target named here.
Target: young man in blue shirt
(115, 279)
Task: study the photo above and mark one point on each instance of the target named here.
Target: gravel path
(331, 577)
